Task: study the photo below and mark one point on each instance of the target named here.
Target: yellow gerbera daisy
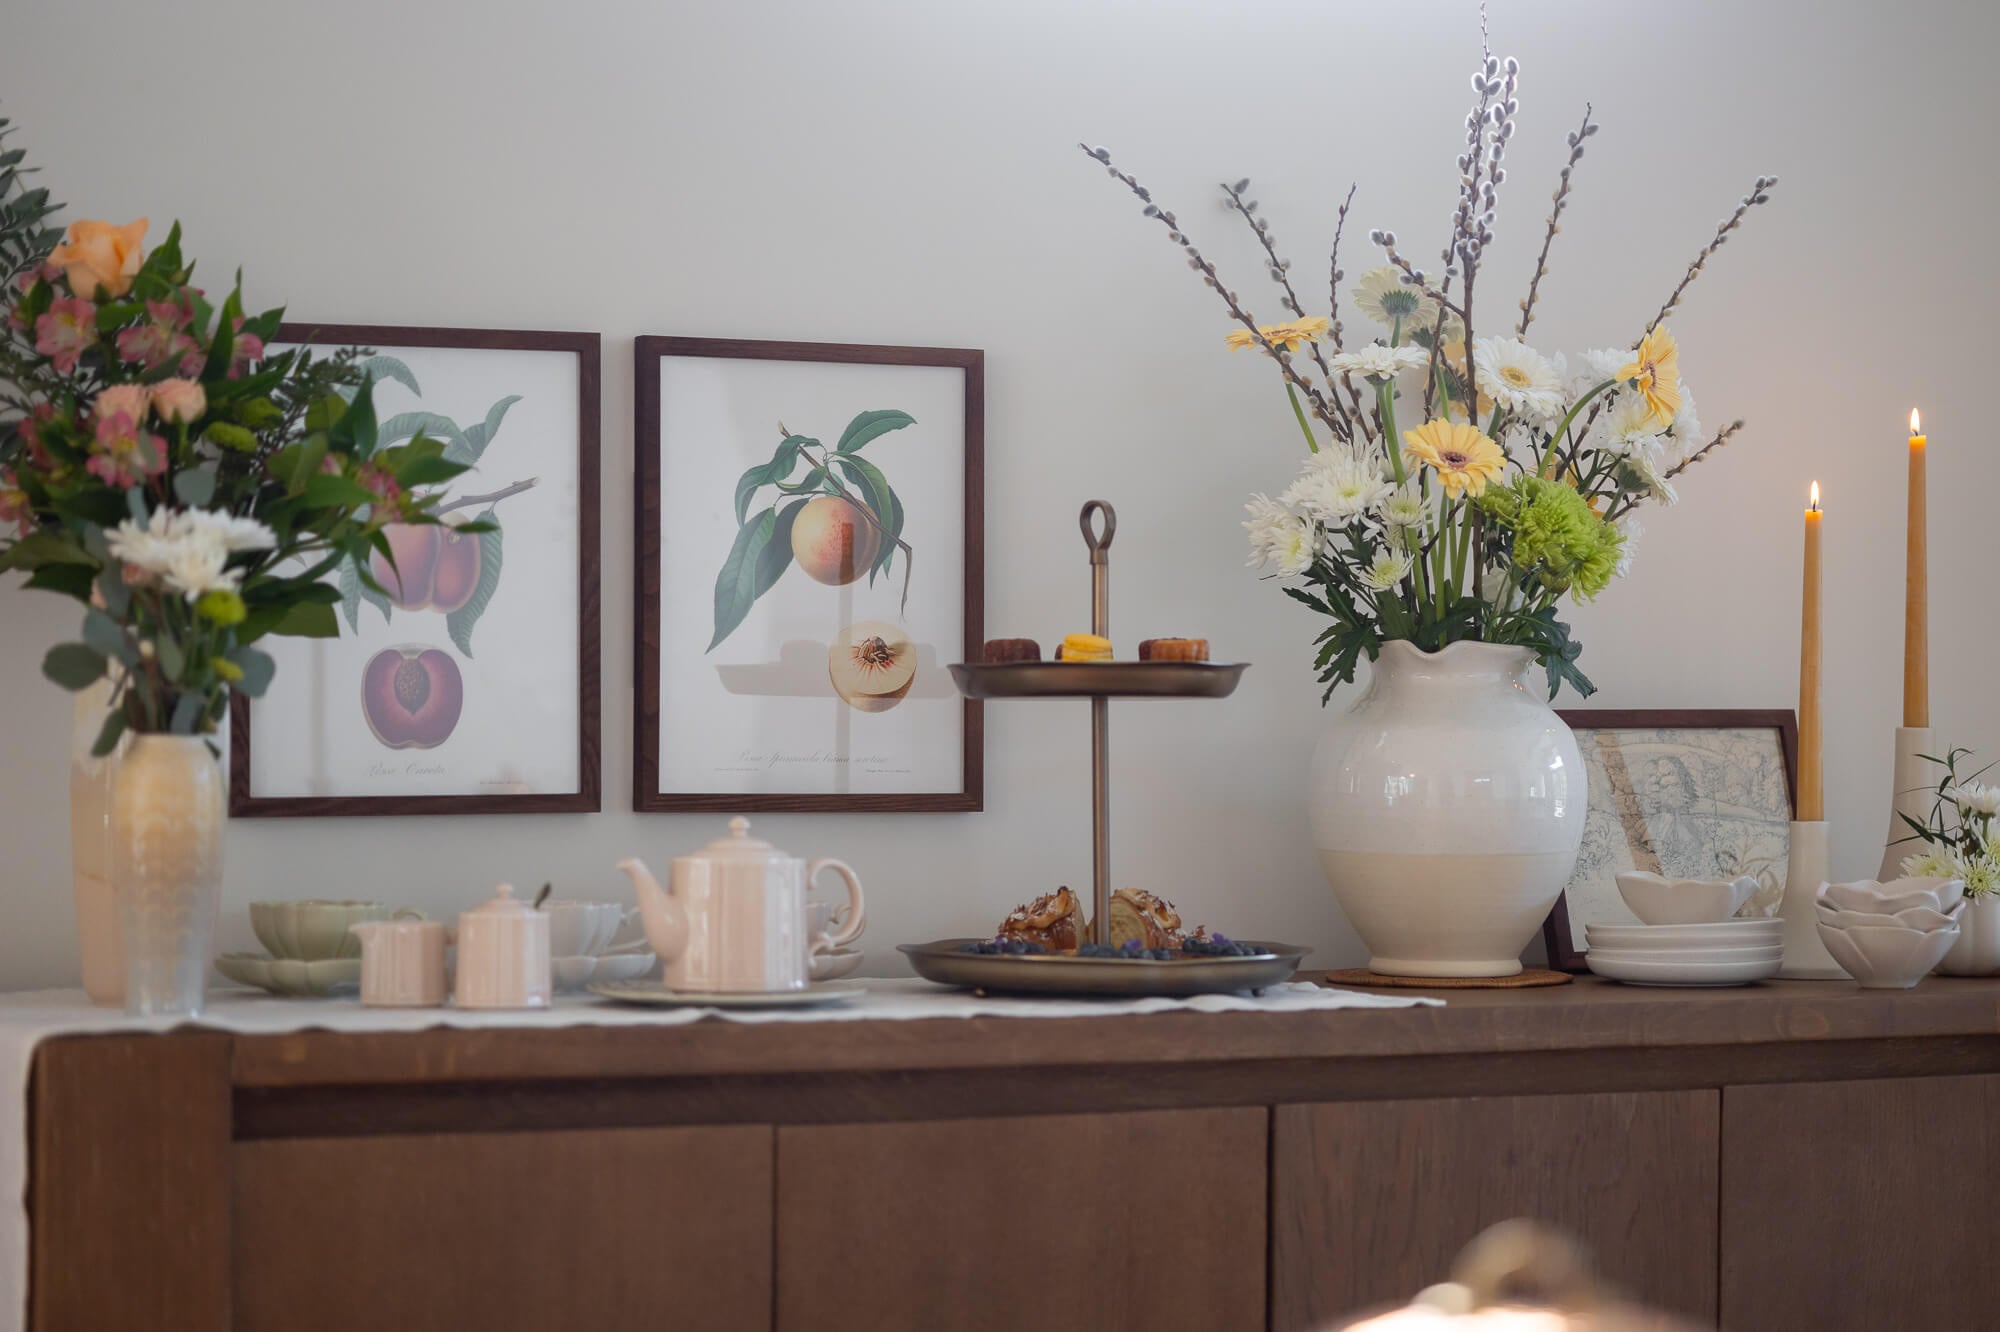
(1465, 460)
(1657, 373)
(1290, 336)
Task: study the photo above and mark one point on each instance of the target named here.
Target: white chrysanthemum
(1383, 296)
(1932, 865)
(1405, 507)
(1337, 486)
(1631, 529)
(1518, 377)
(1629, 427)
(1386, 570)
(188, 549)
(234, 533)
(1645, 470)
(1686, 427)
(196, 565)
(1604, 363)
(1378, 362)
(1278, 536)
(1982, 875)
(1975, 799)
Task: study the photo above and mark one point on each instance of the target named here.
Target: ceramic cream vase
(1448, 805)
(167, 817)
(101, 949)
(1977, 952)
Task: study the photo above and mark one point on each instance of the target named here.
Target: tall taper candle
(1812, 787)
(1916, 590)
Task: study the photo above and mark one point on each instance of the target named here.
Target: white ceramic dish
(1691, 954)
(1919, 918)
(577, 973)
(1886, 899)
(1887, 957)
(659, 996)
(290, 977)
(834, 965)
(1720, 934)
(1662, 901)
(1651, 971)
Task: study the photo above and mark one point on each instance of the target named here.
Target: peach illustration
(872, 665)
(437, 567)
(411, 696)
(834, 542)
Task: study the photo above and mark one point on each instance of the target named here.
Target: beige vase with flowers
(99, 946)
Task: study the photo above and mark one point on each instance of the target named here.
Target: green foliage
(26, 237)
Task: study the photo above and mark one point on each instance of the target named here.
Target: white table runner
(27, 1019)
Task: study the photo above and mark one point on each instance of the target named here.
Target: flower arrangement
(1457, 486)
(1958, 830)
(161, 466)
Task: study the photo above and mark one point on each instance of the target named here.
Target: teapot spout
(664, 918)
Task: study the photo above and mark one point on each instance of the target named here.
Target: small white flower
(1383, 296)
(1932, 865)
(1645, 470)
(1404, 506)
(1386, 570)
(1982, 875)
(188, 549)
(1686, 427)
(235, 534)
(1604, 363)
(1278, 536)
(1977, 800)
(1630, 427)
(1378, 362)
(195, 566)
(1631, 529)
(1336, 486)
(1518, 377)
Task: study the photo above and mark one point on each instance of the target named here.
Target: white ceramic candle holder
(1915, 780)
(1805, 956)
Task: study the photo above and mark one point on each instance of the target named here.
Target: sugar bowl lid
(739, 847)
(502, 903)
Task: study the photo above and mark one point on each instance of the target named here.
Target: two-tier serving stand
(947, 959)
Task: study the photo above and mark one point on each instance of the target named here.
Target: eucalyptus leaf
(74, 666)
(173, 660)
(736, 585)
(100, 631)
(194, 488)
(187, 711)
(460, 623)
(257, 667)
(109, 734)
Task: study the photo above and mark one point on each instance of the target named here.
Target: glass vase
(99, 945)
(167, 816)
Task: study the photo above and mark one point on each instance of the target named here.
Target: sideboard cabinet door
(1861, 1204)
(604, 1228)
(1150, 1220)
(1371, 1200)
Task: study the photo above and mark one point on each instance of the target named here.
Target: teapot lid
(739, 845)
(502, 903)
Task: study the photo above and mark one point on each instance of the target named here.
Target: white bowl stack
(1889, 936)
(1691, 936)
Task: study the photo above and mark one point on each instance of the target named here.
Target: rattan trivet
(1522, 980)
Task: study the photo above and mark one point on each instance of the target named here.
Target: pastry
(1084, 647)
(1139, 915)
(1174, 649)
(1013, 649)
(1054, 920)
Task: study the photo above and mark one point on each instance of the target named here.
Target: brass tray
(1115, 977)
(1098, 679)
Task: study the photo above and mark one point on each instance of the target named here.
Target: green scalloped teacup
(314, 930)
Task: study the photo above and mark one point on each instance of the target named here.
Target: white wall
(905, 171)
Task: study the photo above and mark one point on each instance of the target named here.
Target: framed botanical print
(809, 561)
(1698, 794)
(465, 676)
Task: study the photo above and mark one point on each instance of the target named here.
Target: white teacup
(584, 929)
(823, 918)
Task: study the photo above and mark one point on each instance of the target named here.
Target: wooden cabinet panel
(1861, 1204)
(1371, 1201)
(1151, 1220)
(501, 1231)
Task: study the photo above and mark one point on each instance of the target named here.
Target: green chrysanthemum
(1557, 540)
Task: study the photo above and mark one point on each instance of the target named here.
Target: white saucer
(653, 992)
(1634, 969)
(1718, 934)
(1691, 955)
(574, 973)
(836, 963)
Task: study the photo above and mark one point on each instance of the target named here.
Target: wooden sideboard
(1795, 1155)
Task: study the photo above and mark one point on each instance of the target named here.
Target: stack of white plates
(1724, 952)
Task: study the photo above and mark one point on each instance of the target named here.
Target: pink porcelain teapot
(733, 916)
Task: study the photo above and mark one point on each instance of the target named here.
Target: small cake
(1084, 647)
(1013, 649)
(1054, 920)
(1139, 915)
(1174, 649)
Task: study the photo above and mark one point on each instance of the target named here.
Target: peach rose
(97, 256)
(131, 399)
(179, 401)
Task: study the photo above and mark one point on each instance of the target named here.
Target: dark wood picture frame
(588, 798)
(646, 795)
(1556, 933)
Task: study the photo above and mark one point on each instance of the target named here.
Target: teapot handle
(851, 930)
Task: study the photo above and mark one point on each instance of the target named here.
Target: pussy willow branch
(1321, 408)
(1583, 132)
(1280, 270)
(1334, 275)
(1758, 194)
(495, 497)
(1722, 437)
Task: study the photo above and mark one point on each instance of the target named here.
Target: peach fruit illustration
(411, 696)
(834, 542)
(437, 566)
(872, 665)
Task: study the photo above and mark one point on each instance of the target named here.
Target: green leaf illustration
(871, 425)
(476, 437)
(777, 556)
(783, 459)
(736, 585)
(350, 594)
(406, 425)
(459, 623)
(389, 367)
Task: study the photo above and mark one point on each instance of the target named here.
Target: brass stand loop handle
(1099, 545)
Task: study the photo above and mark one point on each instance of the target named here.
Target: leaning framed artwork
(1693, 794)
(465, 676)
(810, 549)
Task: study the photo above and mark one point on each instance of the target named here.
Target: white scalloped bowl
(1886, 899)
(1887, 957)
(1658, 900)
(1912, 918)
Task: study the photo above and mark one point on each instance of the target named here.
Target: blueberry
(1132, 948)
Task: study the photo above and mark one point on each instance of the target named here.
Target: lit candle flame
(1814, 506)
(1916, 422)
